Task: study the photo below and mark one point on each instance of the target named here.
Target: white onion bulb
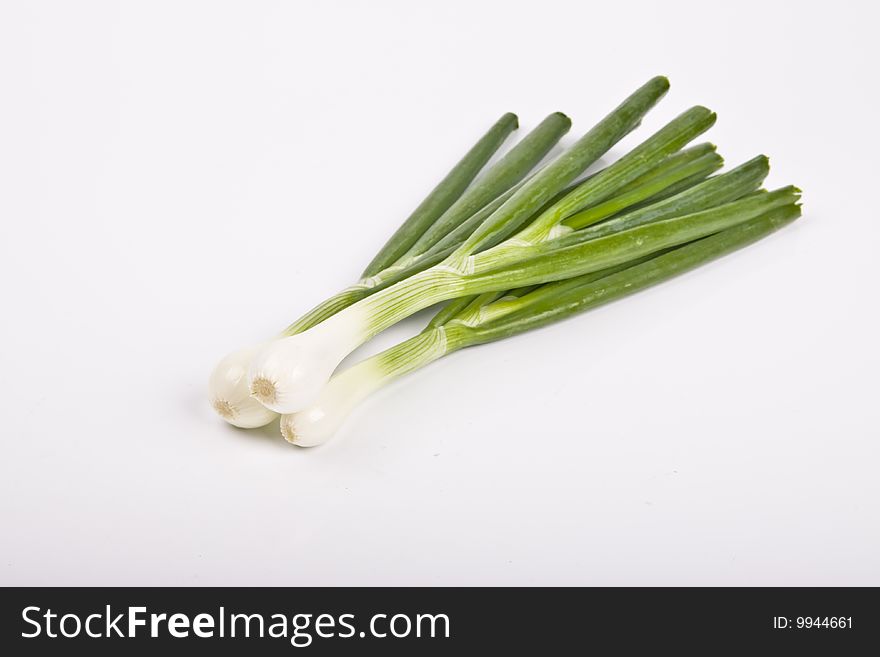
(230, 396)
(316, 424)
(288, 374)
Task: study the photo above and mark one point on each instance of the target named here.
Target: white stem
(229, 393)
(289, 373)
(318, 422)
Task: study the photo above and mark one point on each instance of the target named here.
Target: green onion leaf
(443, 195)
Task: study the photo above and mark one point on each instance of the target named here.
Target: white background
(183, 178)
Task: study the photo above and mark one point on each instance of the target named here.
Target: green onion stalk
(471, 321)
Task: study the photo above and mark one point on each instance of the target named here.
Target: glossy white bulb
(317, 423)
(230, 396)
(288, 374)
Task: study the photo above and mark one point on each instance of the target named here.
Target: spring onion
(510, 251)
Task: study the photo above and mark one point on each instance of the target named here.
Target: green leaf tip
(704, 113)
(660, 81)
(789, 189)
(563, 117)
(510, 118)
(759, 162)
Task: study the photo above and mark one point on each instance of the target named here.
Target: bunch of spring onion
(556, 246)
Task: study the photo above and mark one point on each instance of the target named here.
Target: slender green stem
(327, 308)
(351, 295)
(509, 171)
(554, 307)
(701, 167)
(443, 195)
(457, 237)
(644, 157)
(451, 310)
(473, 306)
(411, 354)
(674, 161)
(719, 189)
(619, 247)
(546, 183)
(441, 283)
(440, 251)
(508, 304)
(669, 192)
(475, 309)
